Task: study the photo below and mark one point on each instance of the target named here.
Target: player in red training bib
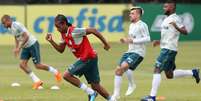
(87, 61)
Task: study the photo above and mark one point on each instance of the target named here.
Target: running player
(87, 59)
(29, 47)
(138, 36)
(171, 28)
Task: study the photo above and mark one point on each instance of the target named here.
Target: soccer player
(171, 28)
(29, 47)
(138, 36)
(87, 60)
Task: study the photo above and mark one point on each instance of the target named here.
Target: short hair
(6, 16)
(61, 18)
(172, 1)
(140, 10)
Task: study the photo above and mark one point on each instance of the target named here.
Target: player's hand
(126, 40)
(123, 40)
(156, 43)
(49, 37)
(107, 47)
(16, 52)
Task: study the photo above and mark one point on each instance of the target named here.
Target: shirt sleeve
(79, 32)
(20, 28)
(145, 37)
(179, 22)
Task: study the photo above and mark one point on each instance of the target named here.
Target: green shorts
(32, 51)
(88, 68)
(133, 59)
(166, 60)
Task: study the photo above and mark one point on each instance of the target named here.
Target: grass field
(184, 89)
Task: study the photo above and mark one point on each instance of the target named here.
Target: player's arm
(18, 45)
(59, 47)
(182, 30)
(129, 40)
(144, 39)
(23, 33)
(98, 35)
(16, 50)
(25, 38)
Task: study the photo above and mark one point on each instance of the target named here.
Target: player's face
(61, 27)
(6, 22)
(134, 15)
(168, 8)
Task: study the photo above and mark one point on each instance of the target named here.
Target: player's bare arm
(16, 50)
(59, 47)
(18, 45)
(181, 30)
(25, 39)
(98, 34)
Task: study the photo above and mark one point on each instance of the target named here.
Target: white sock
(34, 77)
(52, 70)
(117, 85)
(182, 73)
(129, 74)
(155, 84)
(88, 90)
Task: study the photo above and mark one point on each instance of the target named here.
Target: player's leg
(159, 67)
(92, 76)
(72, 79)
(25, 55)
(27, 70)
(179, 73)
(118, 79)
(129, 62)
(78, 68)
(35, 53)
(155, 85)
(131, 83)
(162, 63)
(136, 60)
(120, 69)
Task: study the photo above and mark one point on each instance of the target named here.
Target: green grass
(184, 89)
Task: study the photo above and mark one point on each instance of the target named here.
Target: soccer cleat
(196, 75)
(149, 98)
(93, 96)
(130, 90)
(58, 76)
(36, 85)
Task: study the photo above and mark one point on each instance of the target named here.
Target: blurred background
(109, 16)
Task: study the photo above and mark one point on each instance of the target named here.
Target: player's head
(61, 23)
(169, 7)
(6, 21)
(135, 13)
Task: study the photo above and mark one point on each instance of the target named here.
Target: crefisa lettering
(102, 22)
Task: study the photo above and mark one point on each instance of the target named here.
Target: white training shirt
(169, 34)
(77, 35)
(17, 29)
(140, 34)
